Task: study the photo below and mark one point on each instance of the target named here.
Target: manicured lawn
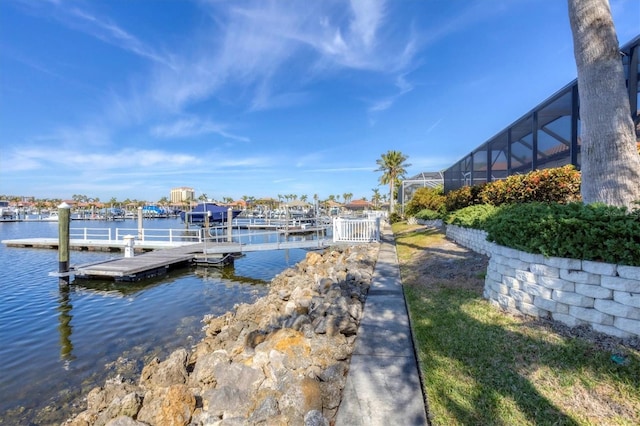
(481, 366)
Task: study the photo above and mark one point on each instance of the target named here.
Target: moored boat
(216, 213)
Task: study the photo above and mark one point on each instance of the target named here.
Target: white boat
(53, 217)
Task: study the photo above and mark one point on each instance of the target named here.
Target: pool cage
(546, 137)
(422, 180)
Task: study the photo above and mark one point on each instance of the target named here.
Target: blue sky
(128, 99)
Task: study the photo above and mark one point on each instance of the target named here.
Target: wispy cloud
(403, 86)
(261, 42)
(193, 127)
(107, 31)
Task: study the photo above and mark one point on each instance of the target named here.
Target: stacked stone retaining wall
(572, 291)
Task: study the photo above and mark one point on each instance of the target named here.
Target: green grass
(482, 366)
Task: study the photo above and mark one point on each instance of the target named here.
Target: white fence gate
(346, 230)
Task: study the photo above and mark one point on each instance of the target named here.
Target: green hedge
(590, 232)
(428, 214)
(472, 216)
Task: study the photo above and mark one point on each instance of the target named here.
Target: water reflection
(64, 322)
(218, 274)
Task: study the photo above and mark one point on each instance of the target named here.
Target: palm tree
(610, 165)
(376, 197)
(392, 165)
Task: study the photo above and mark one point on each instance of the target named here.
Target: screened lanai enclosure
(546, 137)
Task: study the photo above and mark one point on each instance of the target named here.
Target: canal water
(57, 343)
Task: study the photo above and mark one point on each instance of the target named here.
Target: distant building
(182, 194)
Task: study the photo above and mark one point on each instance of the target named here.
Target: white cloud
(188, 127)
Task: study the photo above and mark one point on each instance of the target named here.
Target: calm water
(57, 343)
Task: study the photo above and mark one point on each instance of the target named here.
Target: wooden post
(229, 224)
(64, 217)
(140, 234)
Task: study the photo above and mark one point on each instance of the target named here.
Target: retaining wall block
(626, 298)
(520, 296)
(562, 263)
(494, 275)
(544, 270)
(525, 276)
(556, 283)
(621, 284)
(505, 302)
(599, 268)
(611, 330)
(530, 257)
(614, 308)
(573, 299)
(499, 259)
(547, 304)
(537, 290)
(511, 282)
(492, 266)
(518, 264)
(628, 325)
(532, 310)
(508, 252)
(630, 272)
(595, 291)
(591, 315)
(579, 277)
(506, 270)
(568, 320)
(500, 288)
(489, 294)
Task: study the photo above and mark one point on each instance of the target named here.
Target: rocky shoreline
(282, 360)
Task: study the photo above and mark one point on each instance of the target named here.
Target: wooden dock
(152, 264)
(159, 257)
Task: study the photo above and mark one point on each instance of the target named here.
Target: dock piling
(128, 245)
(140, 233)
(64, 216)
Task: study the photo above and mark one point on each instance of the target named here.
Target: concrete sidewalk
(383, 385)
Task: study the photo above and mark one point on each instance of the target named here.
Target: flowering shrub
(463, 197)
(558, 185)
(426, 198)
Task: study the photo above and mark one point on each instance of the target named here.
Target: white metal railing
(356, 230)
(197, 235)
(143, 234)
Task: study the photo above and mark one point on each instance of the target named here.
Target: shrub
(395, 217)
(591, 232)
(559, 185)
(463, 197)
(427, 214)
(426, 198)
(472, 216)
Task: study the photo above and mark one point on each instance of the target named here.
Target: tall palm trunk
(610, 163)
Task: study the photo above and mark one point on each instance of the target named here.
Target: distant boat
(53, 217)
(217, 214)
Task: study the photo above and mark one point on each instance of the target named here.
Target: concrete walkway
(383, 386)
